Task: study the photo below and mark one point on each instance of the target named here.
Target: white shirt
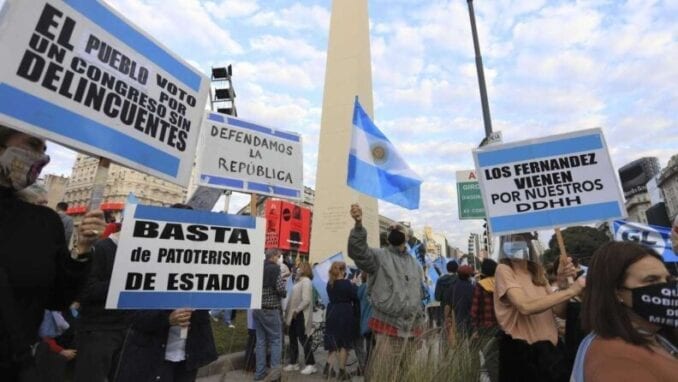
(175, 350)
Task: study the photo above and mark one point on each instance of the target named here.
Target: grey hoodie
(394, 285)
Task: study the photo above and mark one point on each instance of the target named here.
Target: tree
(579, 241)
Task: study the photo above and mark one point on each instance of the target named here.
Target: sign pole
(99, 187)
(563, 251)
(253, 205)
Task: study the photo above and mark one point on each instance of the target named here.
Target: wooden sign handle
(563, 252)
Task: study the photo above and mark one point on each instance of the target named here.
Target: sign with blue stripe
(651, 236)
(78, 73)
(544, 183)
(171, 258)
(244, 156)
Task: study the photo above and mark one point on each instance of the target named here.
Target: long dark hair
(602, 312)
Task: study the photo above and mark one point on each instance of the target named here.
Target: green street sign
(469, 199)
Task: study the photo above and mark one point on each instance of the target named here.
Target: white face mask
(516, 250)
(20, 167)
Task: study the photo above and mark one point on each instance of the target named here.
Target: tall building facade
(668, 183)
(121, 181)
(56, 189)
(634, 177)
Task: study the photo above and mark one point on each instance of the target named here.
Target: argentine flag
(375, 168)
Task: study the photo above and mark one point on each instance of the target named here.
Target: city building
(56, 189)
(121, 181)
(634, 177)
(668, 183)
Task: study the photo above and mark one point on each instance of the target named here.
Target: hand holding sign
(180, 317)
(90, 228)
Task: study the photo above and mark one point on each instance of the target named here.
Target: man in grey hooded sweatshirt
(395, 290)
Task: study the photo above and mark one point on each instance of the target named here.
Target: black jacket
(443, 284)
(144, 350)
(93, 315)
(36, 273)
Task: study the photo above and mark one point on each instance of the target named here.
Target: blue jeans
(268, 324)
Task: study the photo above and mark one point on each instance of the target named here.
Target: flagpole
(481, 75)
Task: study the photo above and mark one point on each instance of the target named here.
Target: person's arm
(52, 344)
(306, 296)
(95, 287)
(358, 250)
(281, 286)
(533, 305)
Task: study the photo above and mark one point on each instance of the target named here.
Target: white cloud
(558, 27)
(178, 23)
(225, 9)
(296, 17)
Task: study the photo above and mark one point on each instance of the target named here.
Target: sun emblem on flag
(379, 153)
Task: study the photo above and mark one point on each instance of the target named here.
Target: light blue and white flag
(375, 168)
(321, 276)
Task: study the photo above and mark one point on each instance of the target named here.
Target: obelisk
(348, 73)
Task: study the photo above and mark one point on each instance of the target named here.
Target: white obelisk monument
(348, 74)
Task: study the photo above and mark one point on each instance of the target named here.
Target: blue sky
(551, 67)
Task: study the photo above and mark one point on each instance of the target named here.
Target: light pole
(481, 75)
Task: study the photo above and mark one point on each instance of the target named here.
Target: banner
(78, 73)
(176, 258)
(651, 236)
(321, 276)
(469, 198)
(549, 182)
(243, 156)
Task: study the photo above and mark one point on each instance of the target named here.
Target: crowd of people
(594, 320)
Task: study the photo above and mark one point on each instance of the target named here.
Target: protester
(365, 341)
(341, 326)
(37, 272)
(156, 350)
(102, 331)
(299, 319)
(267, 320)
(483, 321)
(51, 357)
(458, 298)
(67, 221)
(529, 349)
(394, 287)
(111, 227)
(227, 316)
(446, 280)
(626, 342)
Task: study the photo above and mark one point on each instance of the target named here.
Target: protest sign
(78, 73)
(469, 199)
(548, 182)
(246, 157)
(175, 258)
(654, 237)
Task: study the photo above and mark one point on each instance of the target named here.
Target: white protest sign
(172, 258)
(78, 73)
(247, 157)
(548, 182)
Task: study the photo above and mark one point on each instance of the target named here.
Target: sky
(551, 67)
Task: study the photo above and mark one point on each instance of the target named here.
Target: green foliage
(580, 241)
(231, 340)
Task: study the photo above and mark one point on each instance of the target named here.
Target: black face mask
(396, 238)
(657, 303)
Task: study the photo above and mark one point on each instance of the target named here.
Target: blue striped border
(540, 150)
(194, 217)
(282, 191)
(561, 216)
(254, 127)
(126, 33)
(38, 112)
(221, 181)
(172, 300)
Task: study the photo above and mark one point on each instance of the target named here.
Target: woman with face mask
(37, 272)
(630, 307)
(525, 306)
